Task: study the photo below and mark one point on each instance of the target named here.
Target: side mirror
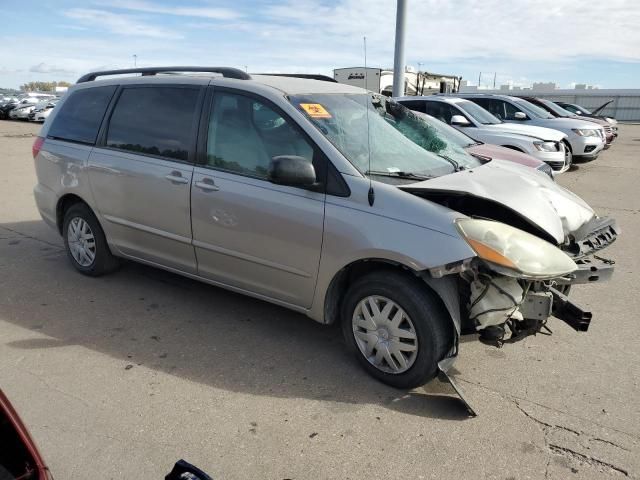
(459, 120)
(291, 170)
(520, 116)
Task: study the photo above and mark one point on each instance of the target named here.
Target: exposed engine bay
(504, 308)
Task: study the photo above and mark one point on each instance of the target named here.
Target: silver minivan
(320, 197)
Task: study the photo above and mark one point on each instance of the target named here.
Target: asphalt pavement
(119, 377)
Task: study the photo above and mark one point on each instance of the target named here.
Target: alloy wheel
(385, 334)
(81, 241)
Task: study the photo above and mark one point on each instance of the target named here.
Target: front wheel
(396, 328)
(568, 156)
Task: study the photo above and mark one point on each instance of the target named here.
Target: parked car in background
(578, 110)
(24, 101)
(586, 139)
(22, 110)
(448, 134)
(320, 197)
(559, 112)
(548, 145)
(42, 110)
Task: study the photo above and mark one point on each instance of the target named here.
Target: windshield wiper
(456, 166)
(399, 174)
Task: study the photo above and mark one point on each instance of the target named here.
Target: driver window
(244, 134)
(510, 111)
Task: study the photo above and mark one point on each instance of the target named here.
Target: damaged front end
(517, 281)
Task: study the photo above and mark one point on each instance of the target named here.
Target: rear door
(248, 232)
(141, 171)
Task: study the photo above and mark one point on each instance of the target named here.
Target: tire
(422, 316)
(96, 258)
(568, 155)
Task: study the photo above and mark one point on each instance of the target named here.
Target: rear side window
(156, 121)
(80, 115)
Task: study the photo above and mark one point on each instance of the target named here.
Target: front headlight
(513, 251)
(586, 132)
(546, 146)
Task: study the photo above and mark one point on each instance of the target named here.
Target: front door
(248, 232)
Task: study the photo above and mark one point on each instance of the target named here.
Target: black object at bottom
(183, 470)
(570, 313)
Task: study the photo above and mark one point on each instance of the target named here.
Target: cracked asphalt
(120, 376)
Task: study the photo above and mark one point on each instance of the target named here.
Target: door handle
(176, 177)
(207, 184)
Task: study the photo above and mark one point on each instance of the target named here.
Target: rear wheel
(85, 242)
(396, 328)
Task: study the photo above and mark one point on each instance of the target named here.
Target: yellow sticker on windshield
(315, 110)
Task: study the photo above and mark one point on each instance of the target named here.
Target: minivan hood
(528, 130)
(529, 193)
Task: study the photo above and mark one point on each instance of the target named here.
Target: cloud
(436, 30)
(546, 40)
(202, 12)
(46, 68)
(119, 24)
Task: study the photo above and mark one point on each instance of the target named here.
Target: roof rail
(226, 72)
(308, 76)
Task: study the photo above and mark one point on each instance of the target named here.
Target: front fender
(354, 235)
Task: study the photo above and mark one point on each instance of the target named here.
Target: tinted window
(496, 107)
(245, 134)
(155, 121)
(442, 111)
(510, 111)
(80, 115)
(417, 106)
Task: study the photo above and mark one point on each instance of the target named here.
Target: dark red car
(19, 456)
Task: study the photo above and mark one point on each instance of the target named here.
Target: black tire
(432, 323)
(568, 154)
(104, 262)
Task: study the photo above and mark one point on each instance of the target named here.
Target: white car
(23, 109)
(586, 139)
(42, 110)
(545, 144)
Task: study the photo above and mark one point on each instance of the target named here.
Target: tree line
(43, 86)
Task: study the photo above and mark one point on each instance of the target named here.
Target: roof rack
(308, 76)
(226, 72)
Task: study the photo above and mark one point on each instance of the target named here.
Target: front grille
(607, 129)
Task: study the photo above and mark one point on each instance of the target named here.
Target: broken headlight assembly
(513, 252)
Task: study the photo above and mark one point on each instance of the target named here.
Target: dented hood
(530, 193)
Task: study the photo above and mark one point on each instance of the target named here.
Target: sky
(564, 41)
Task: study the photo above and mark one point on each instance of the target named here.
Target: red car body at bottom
(19, 456)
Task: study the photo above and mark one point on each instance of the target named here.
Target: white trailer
(380, 80)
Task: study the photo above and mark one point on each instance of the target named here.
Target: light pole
(399, 59)
(135, 60)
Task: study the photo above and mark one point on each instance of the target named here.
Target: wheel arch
(64, 203)
(444, 288)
